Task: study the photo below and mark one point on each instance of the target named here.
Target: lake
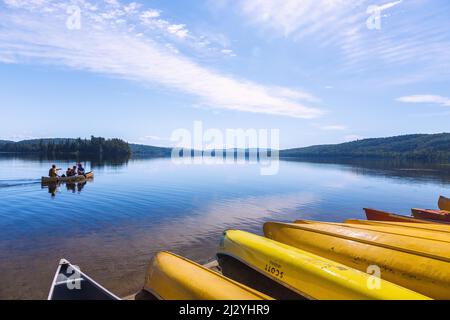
(111, 226)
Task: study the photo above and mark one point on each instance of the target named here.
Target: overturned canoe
(422, 265)
(70, 283)
(305, 273)
(171, 277)
(379, 215)
(444, 203)
(77, 178)
(442, 227)
(434, 215)
(416, 233)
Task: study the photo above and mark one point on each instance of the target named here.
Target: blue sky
(140, 70)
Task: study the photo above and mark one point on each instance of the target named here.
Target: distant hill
(413, 146)
(149, 151)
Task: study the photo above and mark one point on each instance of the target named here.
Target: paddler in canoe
(80, 169)
(76, 174)
(53, 172)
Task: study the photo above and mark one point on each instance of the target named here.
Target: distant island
(429, 147)
(95, 146)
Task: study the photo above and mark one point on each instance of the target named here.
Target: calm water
(111, 226)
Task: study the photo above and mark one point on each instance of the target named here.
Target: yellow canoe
(431, 227)
(73, 179)
(171, 277)
(444, 203)
(307, 274)
(416, 233)
(421, 265)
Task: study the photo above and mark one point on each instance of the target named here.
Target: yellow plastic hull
(421, 265)
(171, 277)
(431, 227)
(307, 274)
(416, 233)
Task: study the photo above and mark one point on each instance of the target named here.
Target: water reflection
(392, 168)
(95, 162)
(139, 206)
(77, 187)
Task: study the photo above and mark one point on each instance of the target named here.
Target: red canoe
(437, 215)
(378, 215)
(444, 203)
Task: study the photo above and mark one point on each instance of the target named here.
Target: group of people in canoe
(70, 172)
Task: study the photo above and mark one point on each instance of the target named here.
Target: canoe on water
(171, 277)
(419, 264)
(305, 273)
(70, 283)
(77, 178)
(435, 215)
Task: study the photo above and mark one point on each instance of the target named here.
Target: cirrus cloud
(111, 42)
(426, 98)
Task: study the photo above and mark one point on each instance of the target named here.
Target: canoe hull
(439, 227)
(435, 215)
(309, 275)
(378, 215)
(421, 265)
(70, 283)
(171, 277)
(444, 203)
(78, 178)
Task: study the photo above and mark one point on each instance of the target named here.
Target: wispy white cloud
(426, 98)
(34, 31)
(179, 30)
(389, 5)
(334, 127)
(228, 52)
(421, 40)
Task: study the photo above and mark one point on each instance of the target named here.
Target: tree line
(95, 146)
(427, 147)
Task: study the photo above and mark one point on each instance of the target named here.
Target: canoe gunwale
(83, 276)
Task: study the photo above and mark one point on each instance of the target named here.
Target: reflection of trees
(96, 162)
(394, 168)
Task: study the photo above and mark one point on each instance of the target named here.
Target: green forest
(95, 146)
(414, 146)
